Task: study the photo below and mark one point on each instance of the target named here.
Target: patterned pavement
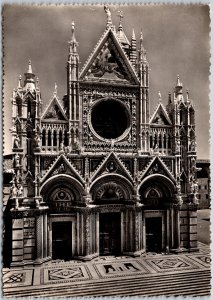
(58, 273)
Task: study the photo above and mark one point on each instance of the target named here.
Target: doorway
(62, 240)
(110, 233)
(154, 234)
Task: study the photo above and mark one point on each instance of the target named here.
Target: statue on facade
(16, 143)
(108, 13)
(61, 147)
(13, 191)
(20, 191)
(61, 169)
(37, 202)
(193, 146)
(156, 148)
(37, 140)
(77, 145)
(25, 162)
(16, 203)
(17, 161)
(177, 146)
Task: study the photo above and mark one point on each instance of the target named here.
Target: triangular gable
(28, 95)
(54, 111)
(62, 166)
(157, 166)
(160, 116)
(108, 62)
(111, 164)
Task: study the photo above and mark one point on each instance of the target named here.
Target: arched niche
(156, 192)
(111, 189)
(62, 192)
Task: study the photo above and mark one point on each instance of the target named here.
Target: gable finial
(108, 13)
(159, 96)
(120, 15)
(55, 89)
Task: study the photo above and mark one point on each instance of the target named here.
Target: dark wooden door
(154, 234)
(110, 233)
(62, 240)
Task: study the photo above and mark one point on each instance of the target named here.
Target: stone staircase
(196, 283)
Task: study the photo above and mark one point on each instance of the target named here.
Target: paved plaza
(58, 274)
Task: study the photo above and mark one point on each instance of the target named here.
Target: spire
(142, 51)
(108, 13)
(19, 82)
(73, 43)
(37, 83)
(179, 87)
(133, 53)
(178, 84)
(29, 71)
(29, 82)
(133, 35)
(120, 27)
(120, 33)
(169, 98)
(187, 95)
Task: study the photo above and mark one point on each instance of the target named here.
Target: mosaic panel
(110, 258)
(202, 259)
(171, 264)
(115, 269)
(17, 278)
(59, 274)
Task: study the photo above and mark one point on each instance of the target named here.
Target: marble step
(193, 283)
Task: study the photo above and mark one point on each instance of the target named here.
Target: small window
(205, 187)
(207, 196)
(199, 187)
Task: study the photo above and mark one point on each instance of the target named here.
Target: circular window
(110, 118)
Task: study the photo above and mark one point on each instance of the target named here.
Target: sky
(176, 38)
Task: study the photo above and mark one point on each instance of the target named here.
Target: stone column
(87, 233)
(45, 236)
(97, 233)
(167, 228)
(39, 237)
(177, 229)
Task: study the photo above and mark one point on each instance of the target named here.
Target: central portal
(62, 240)
(110, 233)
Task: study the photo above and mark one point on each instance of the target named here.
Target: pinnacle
(29, 67)
(133, 34)
(178, 81)
(141, 36)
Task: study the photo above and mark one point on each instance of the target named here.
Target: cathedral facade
(94, 173)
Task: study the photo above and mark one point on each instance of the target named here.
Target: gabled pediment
(62, 166)
(54, 111)
(109, 63)
(111, 164)
(160, 116)
(29, 96)
(157, 166)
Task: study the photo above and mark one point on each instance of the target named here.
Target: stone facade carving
(129, 172)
